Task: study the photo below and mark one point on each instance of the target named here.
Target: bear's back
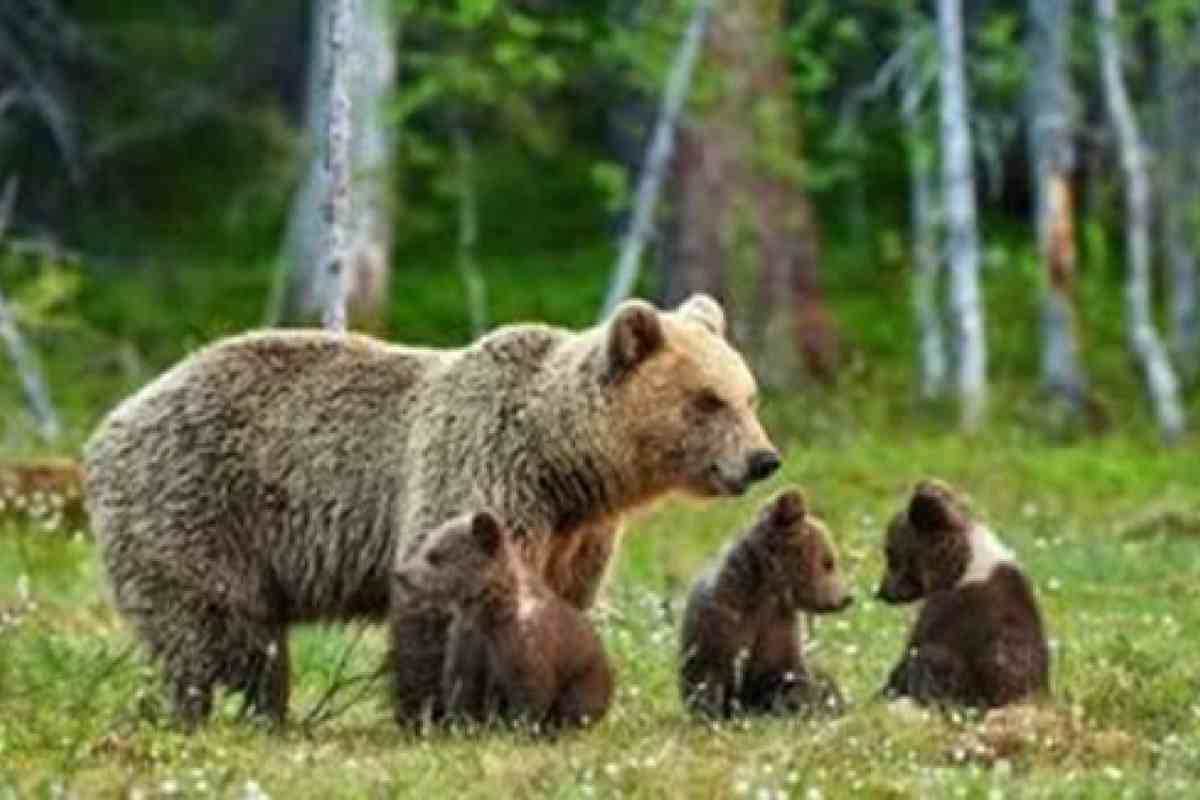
(277, 448)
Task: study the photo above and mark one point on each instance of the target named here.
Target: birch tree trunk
(1161, 382)
(337, 163)
(962, 237)
(1180, 91)
(23, 358)
(1053, 159)
(657, 159)
(926, 252)
(30, 373)
(303, 290)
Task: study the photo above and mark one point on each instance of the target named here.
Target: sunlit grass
(80, 711)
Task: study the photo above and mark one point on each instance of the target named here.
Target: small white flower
(252, 791)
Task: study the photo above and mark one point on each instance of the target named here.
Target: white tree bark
(23, 358)
(1051, 105)
(303, 289)
(337, 164)
(926, 252)
(1180, 90)
(658, 157)
(958, 192)
(372, 159)
(1143, 336)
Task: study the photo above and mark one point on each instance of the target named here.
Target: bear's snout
(762, 465)
(896, 591)
(841, 604)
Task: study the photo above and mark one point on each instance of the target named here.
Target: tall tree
(1179, 89)
(357, 180)
(1050, 104)
(958, 192)
(1161, 381)
(923, 212)
(741, 207)
(23, 358)
(658, 158)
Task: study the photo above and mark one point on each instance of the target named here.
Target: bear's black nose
(763, 464)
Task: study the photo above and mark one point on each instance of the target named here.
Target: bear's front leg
(777, 678)
(897, 681)
(579, 561)
(416, 661)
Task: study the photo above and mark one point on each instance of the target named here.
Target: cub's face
(686, 400)
(926, 545)
(460, 558)
(803, 551)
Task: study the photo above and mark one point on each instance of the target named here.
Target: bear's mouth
(721, 486)
(840, 605)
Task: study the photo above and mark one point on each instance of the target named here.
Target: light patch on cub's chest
(987, 552)
(528, 605)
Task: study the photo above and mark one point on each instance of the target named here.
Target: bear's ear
(704, 309)
(933, 509)
(485, 529)
(634, 334)
(786, 510)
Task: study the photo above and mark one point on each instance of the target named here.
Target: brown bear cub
(978, 640)
(516, 652)
(742, 648)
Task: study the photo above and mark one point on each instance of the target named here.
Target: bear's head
(803, 558)
(459, 561)
(684, 400)
(928, 544)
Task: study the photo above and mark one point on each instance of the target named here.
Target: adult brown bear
(275, 477)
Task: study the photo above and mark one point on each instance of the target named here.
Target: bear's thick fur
(516, 652)
(275, 477)
(742, 650)
(979, 639)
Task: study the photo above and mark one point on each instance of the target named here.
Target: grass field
(1109, 529)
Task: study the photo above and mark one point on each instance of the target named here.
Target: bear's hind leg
(201, 645)
(939, 676)
(266, 683)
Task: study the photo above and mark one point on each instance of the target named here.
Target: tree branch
(658, 156)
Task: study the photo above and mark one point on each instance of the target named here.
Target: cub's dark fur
(979, 638)
(742, 647)
(516, 651)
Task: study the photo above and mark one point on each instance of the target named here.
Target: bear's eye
(434, 558)
(827, 564)
(707, 402)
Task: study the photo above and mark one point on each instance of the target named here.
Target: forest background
(956, 238)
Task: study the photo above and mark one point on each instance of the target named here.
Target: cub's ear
(933, 508)
(485, 529)
(634, 334)
(786, 509)
(704, 309)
